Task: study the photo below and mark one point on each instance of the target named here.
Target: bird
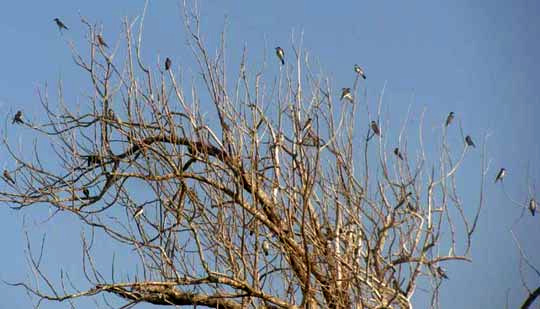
(265, 247)
(138, 212)
(60, 24)
(111, 115)
(8, 177)
(346, 94)
(307, 125)
(359, 71)
(101, 41)
(468, 140)
(449, 119)
(168, 63)
(532, 206)
(398, 153)
(86, 192)
(281, 54)
(375, 128)
(18, 118)
(500, 174)
(441, 273)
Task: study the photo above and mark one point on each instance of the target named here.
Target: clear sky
(478, 59)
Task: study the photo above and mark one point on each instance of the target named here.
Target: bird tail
(364, 76)
(282, 61)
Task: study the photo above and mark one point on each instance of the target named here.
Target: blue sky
(478, 59)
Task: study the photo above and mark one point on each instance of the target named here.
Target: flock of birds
(347, 95)
(280, 53)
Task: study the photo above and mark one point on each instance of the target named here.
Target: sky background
(478, 59)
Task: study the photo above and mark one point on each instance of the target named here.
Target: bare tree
(526, 265)
(271, 199)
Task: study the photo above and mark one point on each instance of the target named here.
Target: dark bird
(500, 174)
(359, 71)
(375, 128)
(18, 118)
(281, 54)
(168, 63)
(60, 24)
(441, 273)
(101, 41)
(8, 177)
(449, 119)
(138, 212)
(469, 141)
(86, 192)
(346, 94)
(266, 247)
(532, 206)
(398, 153)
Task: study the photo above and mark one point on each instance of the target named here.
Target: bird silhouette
(18, 118)
(60, 24)
(266, 247)
(398, 153)
(346, 94)
(86, 192)
(168, 63)
(469, 141)
(441, 273)
(449, 119)
(359, 71)
(138, 212)
(375, 128)
(8, 177)
(281, 55)
(532, 206)
(500, 174)
(101, 41)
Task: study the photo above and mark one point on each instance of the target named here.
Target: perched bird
(168, 63)
(346, 94)
(532, 206)
(307, 125)
(60, 24)
(441, 273)
(500, 174)
(359, 71)
(468, 140)
(398, 153)
(18, 118)
(138, 212)
(86, 192)
(449, 119)
(8, 177)
(281, 54)
(101, 41)
(111, 115)
(265, 247)
(375, 128)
